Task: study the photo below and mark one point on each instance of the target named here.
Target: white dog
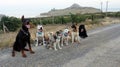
(40, 36)
(65, 37)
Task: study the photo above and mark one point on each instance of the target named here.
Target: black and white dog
(54, 40)
(22, 39)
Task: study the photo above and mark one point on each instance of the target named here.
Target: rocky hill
(74, 9)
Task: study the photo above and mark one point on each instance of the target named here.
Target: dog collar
(24, 32)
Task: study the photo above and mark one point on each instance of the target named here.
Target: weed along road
(100, 49)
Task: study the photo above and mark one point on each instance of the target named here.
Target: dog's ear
(25, 21)
(22, 18)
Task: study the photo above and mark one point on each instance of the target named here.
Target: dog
(82, 31)
(40, 36)
(57, 37)
(50, 40)
(75, 34)
(54, 40)
(65, 37)
(22, 39)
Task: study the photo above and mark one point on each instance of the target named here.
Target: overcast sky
(32, 8)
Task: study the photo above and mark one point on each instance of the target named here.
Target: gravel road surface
(100, 49)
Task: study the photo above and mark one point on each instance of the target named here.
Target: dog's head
(25, 23)
(82, 26)
(66, 32)
(74, 27)
(39, 28)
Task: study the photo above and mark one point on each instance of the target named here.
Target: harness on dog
(39, 33)
(65, 32)
(40, 30)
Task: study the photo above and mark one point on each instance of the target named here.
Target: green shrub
(11, 23)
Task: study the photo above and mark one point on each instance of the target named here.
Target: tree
(73, 17)
(11, 23)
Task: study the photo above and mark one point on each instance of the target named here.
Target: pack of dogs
(51, 40)
(55, 40)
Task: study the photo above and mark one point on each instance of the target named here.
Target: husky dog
(54, 40)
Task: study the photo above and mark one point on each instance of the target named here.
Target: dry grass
(7, 39)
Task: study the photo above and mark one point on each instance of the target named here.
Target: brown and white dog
(75, 34)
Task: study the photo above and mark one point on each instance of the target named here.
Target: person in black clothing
(82, 31)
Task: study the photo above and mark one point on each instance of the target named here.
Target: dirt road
(100, 49)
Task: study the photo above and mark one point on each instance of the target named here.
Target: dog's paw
(13, 54)
(32, 52)
(55, 49)
(24, 55)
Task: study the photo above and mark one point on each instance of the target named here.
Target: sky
(33, 8)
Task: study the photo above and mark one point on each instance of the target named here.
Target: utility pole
(101, 6)
(106, 7)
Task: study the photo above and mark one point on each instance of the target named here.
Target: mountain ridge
(74, 9)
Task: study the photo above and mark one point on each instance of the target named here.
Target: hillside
(74, 9)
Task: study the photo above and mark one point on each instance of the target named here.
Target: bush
(11, 23)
